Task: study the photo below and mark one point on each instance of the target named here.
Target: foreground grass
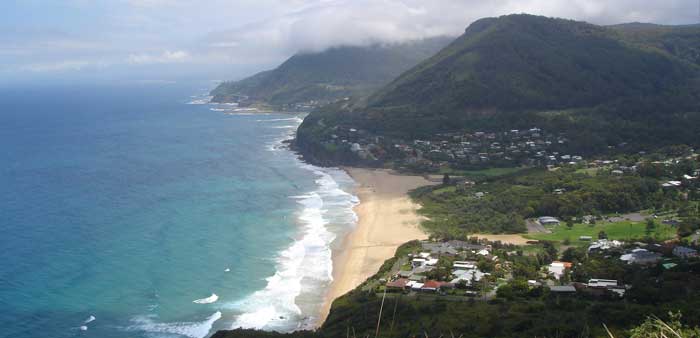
(619, 230)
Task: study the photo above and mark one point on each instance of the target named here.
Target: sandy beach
(387, 219)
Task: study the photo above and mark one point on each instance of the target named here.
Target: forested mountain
(600, 85)
(680, 41)
(330, 75)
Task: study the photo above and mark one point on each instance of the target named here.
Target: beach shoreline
(387, 218)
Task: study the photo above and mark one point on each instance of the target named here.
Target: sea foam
(211, 299)
(89, 319)
(293, 294)
(188, 329)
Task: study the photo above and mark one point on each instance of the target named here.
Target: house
(601, 283)
(431, 286)
(562, 289)
(641, 257)
(399, 284)
(603, 245)
(466, 276)
(465, 265)
(548, 220)
(461, 245)
(423, 269)
(404, 274)
(416, 278)
(483, 252)
(416, 286)
(602, 287)
(684, 252)
(557, 268)
(440, 248)
(418, 262)
(671, 184)
(431, 262)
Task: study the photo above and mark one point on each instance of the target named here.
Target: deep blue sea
(135, 210)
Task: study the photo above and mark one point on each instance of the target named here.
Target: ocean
(138, 210)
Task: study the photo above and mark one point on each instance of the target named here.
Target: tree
(602, 235)
(570, 224)
(650, 227)
(446, 179)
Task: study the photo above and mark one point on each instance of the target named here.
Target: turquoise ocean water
(138, 211)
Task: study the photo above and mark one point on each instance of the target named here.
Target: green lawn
(444, 190)
(619, 231)
(589, 171)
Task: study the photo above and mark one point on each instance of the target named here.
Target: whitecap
(296, 119)
(211, 299)
(201, 100)
(187, 329)
(89, 319)
(83, 328)
(227, 270)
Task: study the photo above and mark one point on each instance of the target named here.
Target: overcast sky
(217, 39)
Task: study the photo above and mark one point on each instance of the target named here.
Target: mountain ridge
(600, 86)
(332, 74)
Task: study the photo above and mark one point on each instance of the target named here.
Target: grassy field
(619, 231)
(589, 171)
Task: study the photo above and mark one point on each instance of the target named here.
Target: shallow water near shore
(129, 213)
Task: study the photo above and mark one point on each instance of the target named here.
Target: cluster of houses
(422, 263)
(638, 254)
(414, 277)
(642, 253)
(523, 147)
(557, 270)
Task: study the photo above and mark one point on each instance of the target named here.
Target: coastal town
(529, 147)
(484, 270)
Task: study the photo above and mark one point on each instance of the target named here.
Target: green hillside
(527, 62)
(601, 86)
(680, 41)
(329, 75)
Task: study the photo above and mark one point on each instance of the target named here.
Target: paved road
(533, 226)
(634, 217)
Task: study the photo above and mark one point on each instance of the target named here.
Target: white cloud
(251, 33)
(318, 25)
(165, 57)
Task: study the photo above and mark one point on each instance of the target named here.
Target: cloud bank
(251, 33)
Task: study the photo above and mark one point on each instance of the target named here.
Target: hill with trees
(329, 75)
(601, 86)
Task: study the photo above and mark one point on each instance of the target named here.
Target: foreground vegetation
(520, 310)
